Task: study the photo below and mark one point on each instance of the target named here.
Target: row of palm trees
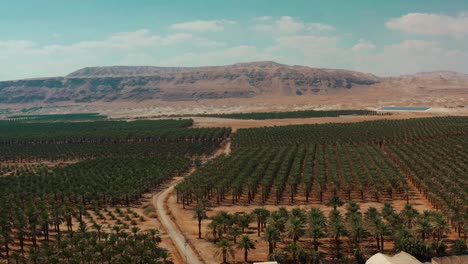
(270, 175)
(442, 181)
(61, 141)
(295, 114)
(368, 132)
(87, 245)
(299, 235)
(39, 204)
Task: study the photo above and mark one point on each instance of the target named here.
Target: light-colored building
(451, 260)
(400, 258)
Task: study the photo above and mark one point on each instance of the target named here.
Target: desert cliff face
(244, 80)
(122, 83)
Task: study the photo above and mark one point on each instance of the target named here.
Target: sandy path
(159, 202)
(175, 234)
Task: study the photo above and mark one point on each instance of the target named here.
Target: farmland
(85, 205)
(79, 190)
(387, 163)
(295, 114)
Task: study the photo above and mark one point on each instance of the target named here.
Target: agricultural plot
(377, 162)
(295, 114)
(57, 213)
(59, 117)
(32, 142)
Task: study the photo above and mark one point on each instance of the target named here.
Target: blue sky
(56, 37)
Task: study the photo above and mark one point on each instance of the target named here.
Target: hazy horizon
(55, 38)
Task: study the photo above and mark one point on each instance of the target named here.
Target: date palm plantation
(72, 211)
(344, 167)
(234, 132)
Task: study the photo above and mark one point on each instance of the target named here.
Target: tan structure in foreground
(400, 258)
(451, 260)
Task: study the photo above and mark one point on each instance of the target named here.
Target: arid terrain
(248, 87)
(155, 93)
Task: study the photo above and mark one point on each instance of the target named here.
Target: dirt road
(185, 251)
(159, 203)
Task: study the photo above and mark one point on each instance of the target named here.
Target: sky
(387, 38)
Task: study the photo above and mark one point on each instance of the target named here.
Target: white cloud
(308, 42)
(288, 25)
(291, 41)
(431, 24)
(122, 40)
(16, 44)
(311, 50)
(284, 24)
(243, 53)
(263, 18)
(201, 42)
(176, 38)
(21, 58)
(411, 56)
(363, 45)
(319, 27)
(203, 25)
(264, 27)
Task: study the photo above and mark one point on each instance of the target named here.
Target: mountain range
(243, 80)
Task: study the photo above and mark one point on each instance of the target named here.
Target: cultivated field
(81, 191)
(401, 164)
(298, 190)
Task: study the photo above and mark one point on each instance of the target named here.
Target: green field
(295, 114)
(113, 163)
(59, 117)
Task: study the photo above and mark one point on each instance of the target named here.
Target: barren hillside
(125, 83)
(243, 80)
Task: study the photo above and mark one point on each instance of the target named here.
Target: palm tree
(374, 224)
(352, 209)
(261, 214)
(135, 230)
(356, 229)
(382, 230)
(278, 220)
(336, 228)
(243, 221)
(440, 225)
(424, 226)
(165, 255)
(223, 220)
(335, 201)
(154, 234)
(295, 228)
(271, 235)
(409, 214)
(5, 232)
(298, 212)
(388, 211)
(297, 251)
(317, 226)
(459, 247)
(214, 230)
(234, 232)
(224, 249)
(98, 229)
(246, 244)
(200, 213)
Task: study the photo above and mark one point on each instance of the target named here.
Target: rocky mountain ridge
(242, 80)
